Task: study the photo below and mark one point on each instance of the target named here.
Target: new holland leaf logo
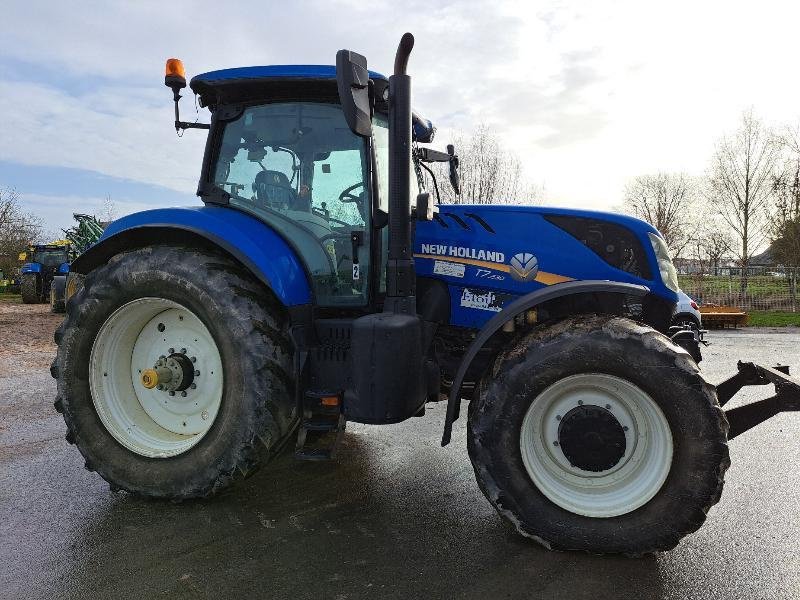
(524, 266)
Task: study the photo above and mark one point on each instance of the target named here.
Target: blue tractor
(43, 263)
(319, 283)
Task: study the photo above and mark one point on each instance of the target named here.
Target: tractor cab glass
(298, 167)
(51, 257)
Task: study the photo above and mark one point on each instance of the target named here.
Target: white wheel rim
(151, 422)
(632, 481)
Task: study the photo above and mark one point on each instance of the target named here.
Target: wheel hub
(591, 438)
(173, 373)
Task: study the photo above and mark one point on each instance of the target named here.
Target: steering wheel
(347, 194)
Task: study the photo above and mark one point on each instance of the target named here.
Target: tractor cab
(280, 148)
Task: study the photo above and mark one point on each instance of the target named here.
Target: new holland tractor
(43, 262)
(319, 284)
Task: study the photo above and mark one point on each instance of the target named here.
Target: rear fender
(258, 247)
(516, 308)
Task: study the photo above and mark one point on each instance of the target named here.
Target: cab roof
(239, 74)
(211, 85)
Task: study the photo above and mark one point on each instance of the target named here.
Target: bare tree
(490, 173)
(109, 212)
(665, 200)
(741, 186)
(17, 229)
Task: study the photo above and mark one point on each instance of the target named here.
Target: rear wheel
(57, 287)
(599, 434)
(174, 372)
(29, 288)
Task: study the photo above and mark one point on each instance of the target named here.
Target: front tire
(226, 334)
(599, 434)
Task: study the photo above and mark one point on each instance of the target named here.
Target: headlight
(668, 273)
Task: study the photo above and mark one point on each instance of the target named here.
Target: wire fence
(757, 288)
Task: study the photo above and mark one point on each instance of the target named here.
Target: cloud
(587, 94)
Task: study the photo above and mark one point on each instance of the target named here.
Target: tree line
(747, 201)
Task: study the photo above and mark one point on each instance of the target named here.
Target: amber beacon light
(175, 74)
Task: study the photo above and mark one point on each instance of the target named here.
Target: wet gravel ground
(395, 516)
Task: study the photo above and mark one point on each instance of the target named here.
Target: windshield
(50, 258)
(298, 167)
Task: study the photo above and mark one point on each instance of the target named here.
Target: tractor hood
(514, 250)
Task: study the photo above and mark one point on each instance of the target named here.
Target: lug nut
(608, 407)
(171, 350)
(193, 386)
(161, 327)
(183, 350)
(555, 443)
(580, 402)
(197, 373)
(204, 414)
(171, 393)
(183, 394)
(558, 417)
(194, 359)
(624, 428)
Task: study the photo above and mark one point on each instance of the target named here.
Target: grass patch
(773, 318)
(10, 298)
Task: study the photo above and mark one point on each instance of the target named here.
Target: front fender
(31, 268)
(258, 247)
(519, 306)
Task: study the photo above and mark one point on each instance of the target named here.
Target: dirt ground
(394, 516)
(26, 337)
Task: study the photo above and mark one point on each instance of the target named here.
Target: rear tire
(251, 417)
(29, 288)
(633, 413)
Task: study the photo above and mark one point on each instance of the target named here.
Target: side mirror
(352, 81)
(454, 180)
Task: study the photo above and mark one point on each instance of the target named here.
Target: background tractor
(320, 284)
(42, 263)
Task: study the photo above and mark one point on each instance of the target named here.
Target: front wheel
(599, 434)
(174, 372)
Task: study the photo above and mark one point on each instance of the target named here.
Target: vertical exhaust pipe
(401, 279)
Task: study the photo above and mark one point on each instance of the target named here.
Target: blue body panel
(273, 72)
(266, 253)
(31, 268)
(63, 268)
(475, 263)
(479, 276)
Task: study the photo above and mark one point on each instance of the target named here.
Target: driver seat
(273, 189)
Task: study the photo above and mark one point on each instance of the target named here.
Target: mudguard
(518, 307)
(257, 246)
(31, 268)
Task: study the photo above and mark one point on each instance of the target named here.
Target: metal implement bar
(743, 418)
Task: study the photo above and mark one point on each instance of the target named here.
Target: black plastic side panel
(389, 385)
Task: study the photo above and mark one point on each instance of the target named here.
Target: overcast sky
(588, 94)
